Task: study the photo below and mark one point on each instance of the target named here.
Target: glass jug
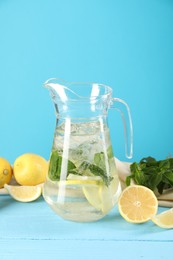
(82, 182)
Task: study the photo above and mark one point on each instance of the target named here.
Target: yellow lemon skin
(30, 169)
(5, 172)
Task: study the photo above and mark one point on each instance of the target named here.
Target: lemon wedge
(24, 193)
(137, 204)
(164, 219)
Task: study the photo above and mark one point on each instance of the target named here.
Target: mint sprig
(96, 171)
(97, 168)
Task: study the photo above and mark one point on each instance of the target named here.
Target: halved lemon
(137, 204)
(164, 219)
(24, 193)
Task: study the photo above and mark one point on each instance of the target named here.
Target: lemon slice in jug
(103, 197)
(82, 180)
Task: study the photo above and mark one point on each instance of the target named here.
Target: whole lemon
(5, 172)
(30, 169)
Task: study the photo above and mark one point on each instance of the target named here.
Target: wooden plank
(37, 221)
(97, 250)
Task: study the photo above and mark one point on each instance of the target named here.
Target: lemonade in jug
(82, 182)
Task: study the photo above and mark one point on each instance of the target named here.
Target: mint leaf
(168, 177)
(154, 180)
(99, 160)
(110, 152)
(148, 160)
(128, 179)
(55, 166)
(139, 176)
(54, 171)
(100, 172)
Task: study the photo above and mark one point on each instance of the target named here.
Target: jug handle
(127, 123)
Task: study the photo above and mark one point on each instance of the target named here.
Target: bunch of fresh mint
(156, 175)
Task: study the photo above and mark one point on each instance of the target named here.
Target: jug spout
(56, 88)
(61, 90)
(78, 91)
(79, 100)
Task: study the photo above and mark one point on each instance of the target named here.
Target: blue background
(127, 44)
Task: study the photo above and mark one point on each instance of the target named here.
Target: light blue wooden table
(34, 231)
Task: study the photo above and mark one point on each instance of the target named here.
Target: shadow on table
(116, 222)
(5, 201)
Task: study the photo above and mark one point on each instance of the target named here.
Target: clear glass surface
(82, 182)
